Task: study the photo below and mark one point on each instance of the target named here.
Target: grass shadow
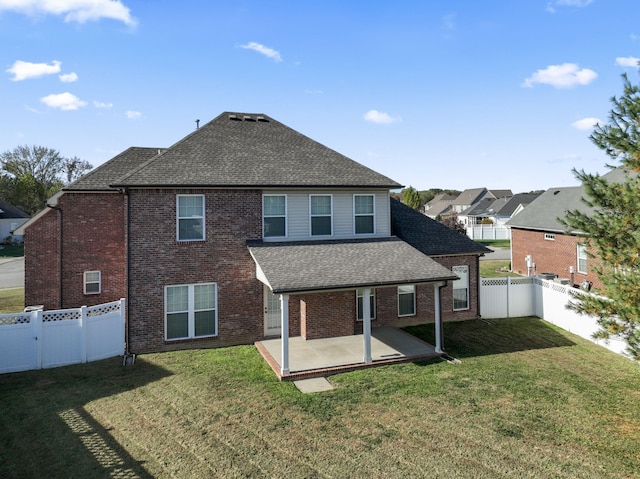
(475, 338)
(61, 439)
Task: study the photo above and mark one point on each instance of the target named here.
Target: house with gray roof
(11, 217)
(246, 229)
(542, 244)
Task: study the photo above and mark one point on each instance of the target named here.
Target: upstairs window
(190, 217)
(274, 216)
(92, 282)
(321, 215)
(363, 214)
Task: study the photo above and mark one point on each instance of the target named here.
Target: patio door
(272, 313)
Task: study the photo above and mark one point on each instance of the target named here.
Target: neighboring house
(242, 230)
(471, 197)
(497, 211)
(440, 205)
(540, 244)
(11, 217)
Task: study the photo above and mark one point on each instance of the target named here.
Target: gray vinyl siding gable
(298, 214)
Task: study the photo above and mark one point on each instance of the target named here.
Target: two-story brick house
(243, 228)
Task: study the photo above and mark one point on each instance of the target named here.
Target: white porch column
(366, 324)
(438, 315)
(284, 335)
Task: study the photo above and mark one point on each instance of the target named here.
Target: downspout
(129, 358)
(60, 243)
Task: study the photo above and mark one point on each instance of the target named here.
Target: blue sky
(434, 94)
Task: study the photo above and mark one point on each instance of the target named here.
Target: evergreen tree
(612, 229)
(411, 197)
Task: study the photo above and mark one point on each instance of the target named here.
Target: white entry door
(272, 316)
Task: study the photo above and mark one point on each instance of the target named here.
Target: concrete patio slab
(322, 357)
(313, 385)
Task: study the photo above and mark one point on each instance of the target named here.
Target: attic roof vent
(234, 118)
(556, 192)
(248, 118)
(263, 119)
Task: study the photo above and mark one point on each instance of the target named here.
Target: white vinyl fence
(514, 297)
(48, 339)
(488, 232)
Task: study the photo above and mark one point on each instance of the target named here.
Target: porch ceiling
(289, 268)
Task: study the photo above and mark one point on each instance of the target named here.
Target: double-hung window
(190, 217)
(92, 282)
(360, 304)
(274, 216)
(407, 300)
(461, 288)
(321, 215)
(582, 258)
(191, 311)
(363, 214)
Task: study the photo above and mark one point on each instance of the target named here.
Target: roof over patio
(313, 266)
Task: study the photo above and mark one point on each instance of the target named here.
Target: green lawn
(11, 251)
(495, 268)
(527, 401)
(11, 300)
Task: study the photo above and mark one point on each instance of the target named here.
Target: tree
(29, 175)
(612, 231)
(411, 197)
(451, 221)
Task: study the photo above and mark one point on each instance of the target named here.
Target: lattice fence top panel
(103, 309)
(494, 281)
(61, 315)
(9, 319)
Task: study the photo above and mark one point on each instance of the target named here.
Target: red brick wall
(549, 256)
(157, 259)
(328, 314)
(41, 262)
(91, 232)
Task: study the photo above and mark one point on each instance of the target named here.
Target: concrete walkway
(323, 357)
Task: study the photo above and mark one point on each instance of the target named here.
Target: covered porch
(322, 357)
(314, 269)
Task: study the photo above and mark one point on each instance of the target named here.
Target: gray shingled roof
(470, 196)
(252, 150)
(543, 213)
(429, 236)
(7, 210)
(101, 177)
(325, 265)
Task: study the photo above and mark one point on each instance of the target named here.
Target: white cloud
(63, 101)
(561, 76)
(133, 115)
(68, 77)
(25, 70)
(551, 6)
(99, 104)
(375, 116)
(266, 51)
(79, 11)
(586, 123)
(627, 62)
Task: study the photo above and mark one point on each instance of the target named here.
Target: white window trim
(372, 214)
(99, 282)
(178, 218)
(191, 312)
(453, 287)
(414, 301)
(585, 258)
(311, 216)
(360, 294)
(286, 215)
